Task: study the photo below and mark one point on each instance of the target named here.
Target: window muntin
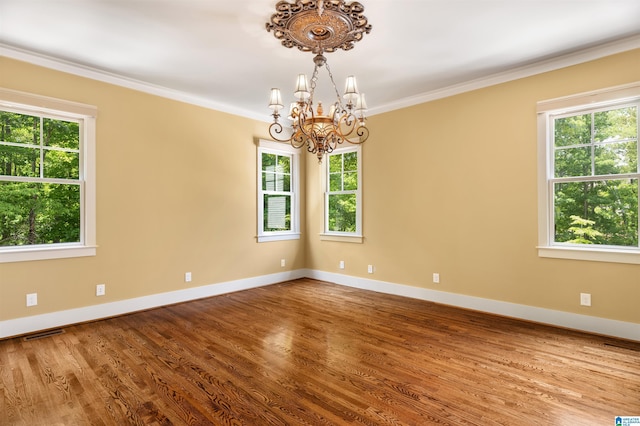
(47, 178)
(595, 176)
(278, 204)
(343, 192)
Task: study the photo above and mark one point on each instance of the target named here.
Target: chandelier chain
(333, 83)
(314, 80)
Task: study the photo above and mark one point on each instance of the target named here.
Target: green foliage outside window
(596, 186)
(343, 182)
(39, 180)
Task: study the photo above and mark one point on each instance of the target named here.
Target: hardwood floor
(312, 353)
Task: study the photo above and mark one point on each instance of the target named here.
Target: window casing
(343, 195)
(47, 178)
(278, 192)
(588, 176)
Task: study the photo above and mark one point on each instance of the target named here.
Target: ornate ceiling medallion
(319, 26)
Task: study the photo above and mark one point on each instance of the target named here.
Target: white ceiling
(218, 53)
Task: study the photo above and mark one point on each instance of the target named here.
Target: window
(278, 200)
(591, 178)
(47, 189)
(343, 201)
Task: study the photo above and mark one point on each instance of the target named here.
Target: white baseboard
(608, 327)
(20, 326)
(26, 325)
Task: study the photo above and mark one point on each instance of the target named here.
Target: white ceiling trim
(564, 61)
(574, 58)
(105, 77)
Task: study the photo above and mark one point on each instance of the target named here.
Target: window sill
(45, 253)
(358, 239)
(278, 237)
(598, 254)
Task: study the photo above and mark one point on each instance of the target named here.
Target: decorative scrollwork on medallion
(310, 28)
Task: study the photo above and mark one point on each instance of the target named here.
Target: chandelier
(319, 26)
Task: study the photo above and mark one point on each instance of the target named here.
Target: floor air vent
(43, 334)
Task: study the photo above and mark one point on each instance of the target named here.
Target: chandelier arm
(276, 129)
(303, 121)
(349, 121)
(350, 129)
(333, 142)
(362, 134)
(297, 140)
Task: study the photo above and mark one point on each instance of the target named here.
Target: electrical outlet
(282, 262)
(32, 299)
(187, 277)
(436, 277)
(370, 269)
(585, 299)
(342, 264)
(100, 290)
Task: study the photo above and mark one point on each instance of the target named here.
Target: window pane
(268, 162)
(276, 172)
(286, 182)
(573, 162)
(19, 128)
(573, 130)
(268, 181)
(597, 212)
(62, 165)
(39, 213)
(279, 182)
(616, 124)
(351, 181)
(335, 182)
(335, 163)
(351, 161)
(615, 158)
(19, 161)
(342, 212)
(284, 164)
(277, 213)
(62, 134)
(276, 182)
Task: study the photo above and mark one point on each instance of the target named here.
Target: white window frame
(86, 116)
(271, 147)
(350, 237)
(610, 97)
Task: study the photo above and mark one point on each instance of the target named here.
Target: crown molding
(570, 59)
(118, 80)
(552, 64)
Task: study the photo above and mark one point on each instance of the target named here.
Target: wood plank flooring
(307, 352)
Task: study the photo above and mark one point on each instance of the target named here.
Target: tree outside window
(343, 192)
(595, 177)
(40, 200)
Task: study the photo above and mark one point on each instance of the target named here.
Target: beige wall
(176, 187)
(449, 187)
